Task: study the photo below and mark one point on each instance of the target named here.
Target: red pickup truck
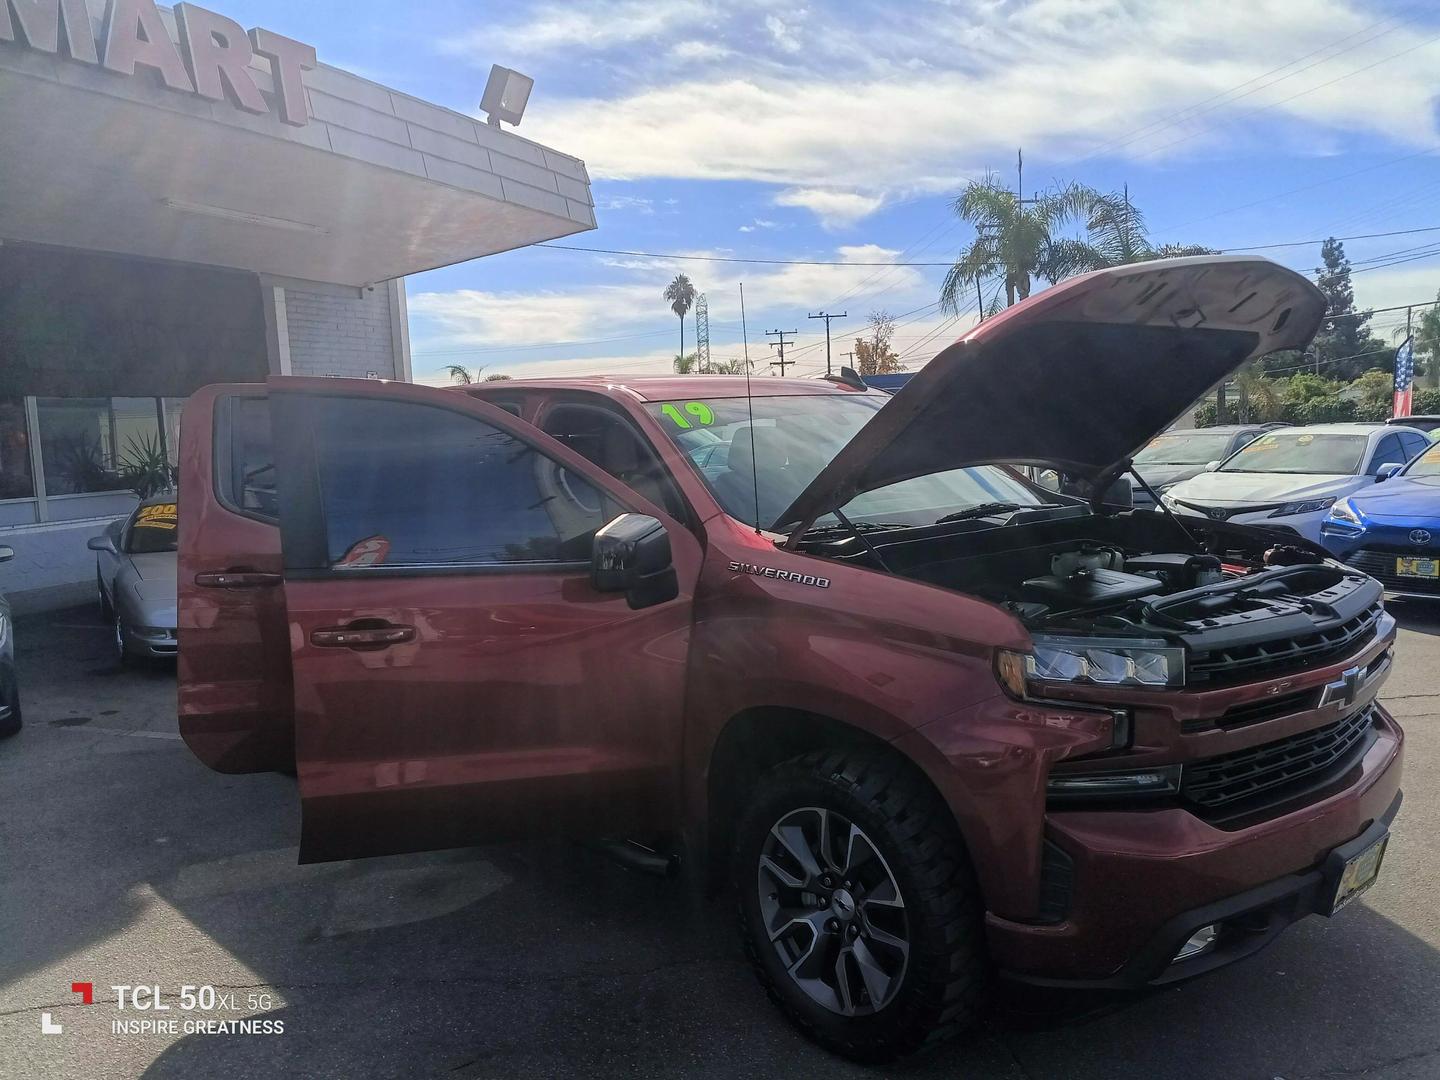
(930, 720)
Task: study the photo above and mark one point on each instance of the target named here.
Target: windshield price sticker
(697, 410)
(159, 516)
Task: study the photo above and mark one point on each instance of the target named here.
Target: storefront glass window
(88, 444)
(171, 408)
(16, 481)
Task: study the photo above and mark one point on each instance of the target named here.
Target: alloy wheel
(833, 911)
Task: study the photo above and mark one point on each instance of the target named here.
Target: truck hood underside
(1079, 376)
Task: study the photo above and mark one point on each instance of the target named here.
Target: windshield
(153, 530)
(796, 437)
(1427, 464)
(1187, 449)
(1300, 452)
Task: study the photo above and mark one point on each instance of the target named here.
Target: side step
(638, 857)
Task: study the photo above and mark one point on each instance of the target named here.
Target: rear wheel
(10, 722)
(122, 653)
(858, 906)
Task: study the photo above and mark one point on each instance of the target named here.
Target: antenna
(750, 407)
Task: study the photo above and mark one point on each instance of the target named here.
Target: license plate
(1359, 874)
(1406, 566)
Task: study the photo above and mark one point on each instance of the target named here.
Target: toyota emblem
(1419, 537)
(1218, 514)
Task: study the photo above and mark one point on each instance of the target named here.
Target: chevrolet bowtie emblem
(1344, 689)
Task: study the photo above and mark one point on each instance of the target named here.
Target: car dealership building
(184, 202)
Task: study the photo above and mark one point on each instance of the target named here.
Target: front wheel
(858, 906)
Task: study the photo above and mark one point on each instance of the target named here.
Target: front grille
(1225, 513)
(1285, 654)
(1379, 563)
(1233, 783)
(1269, 708)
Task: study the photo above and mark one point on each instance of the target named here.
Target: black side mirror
(631, 554)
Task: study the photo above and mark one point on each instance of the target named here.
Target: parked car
(135, 578)
(1427, 424)
(1289, 478)
(1392, 531)
(1180, 453)
(929, 718)
(9, 683)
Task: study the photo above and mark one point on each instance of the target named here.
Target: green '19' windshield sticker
(698, 410)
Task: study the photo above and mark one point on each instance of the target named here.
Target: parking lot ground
(125, 861)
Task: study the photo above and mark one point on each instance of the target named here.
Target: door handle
(236, 579)
(362, 637)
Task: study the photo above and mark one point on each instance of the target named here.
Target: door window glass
(16, 481)
(246, 467)
(413, 485)
(1387, 453)
(610, 443)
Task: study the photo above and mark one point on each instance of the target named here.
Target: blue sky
(841, 131)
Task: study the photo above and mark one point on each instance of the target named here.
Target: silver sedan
(135, 575)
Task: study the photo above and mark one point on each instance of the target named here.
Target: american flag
(1404, 378)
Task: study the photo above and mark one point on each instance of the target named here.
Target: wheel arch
(754, 741)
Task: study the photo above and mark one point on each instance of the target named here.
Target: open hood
(1079, 376)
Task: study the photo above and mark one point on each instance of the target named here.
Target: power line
(827, 317)
(780, 344)
(947, 264)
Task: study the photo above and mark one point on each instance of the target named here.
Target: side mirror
(1211, 466)
(631, 554)
(1120, 495)
(1389, 470)
(6, 553)
(101, 543)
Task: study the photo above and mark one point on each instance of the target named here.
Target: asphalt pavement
(125, 862)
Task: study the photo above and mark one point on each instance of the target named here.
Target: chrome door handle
(361, 637)
(236, 579)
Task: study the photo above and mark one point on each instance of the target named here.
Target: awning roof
(375, 186)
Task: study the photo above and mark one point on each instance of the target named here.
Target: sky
(839, 133)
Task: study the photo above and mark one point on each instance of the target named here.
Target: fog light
(1201, 941)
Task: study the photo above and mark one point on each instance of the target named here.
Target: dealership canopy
(132, 129)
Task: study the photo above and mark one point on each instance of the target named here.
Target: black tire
(107, 611)
(11, 693)
(122, 654)
(943, 977)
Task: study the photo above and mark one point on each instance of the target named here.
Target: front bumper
(158, 642)
(1143, 881)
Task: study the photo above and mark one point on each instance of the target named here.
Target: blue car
(1392, 530)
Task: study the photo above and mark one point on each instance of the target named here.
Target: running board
(638, 857)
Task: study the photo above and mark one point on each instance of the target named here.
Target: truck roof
(673, 387)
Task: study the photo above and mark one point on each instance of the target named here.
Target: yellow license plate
(1405, 566)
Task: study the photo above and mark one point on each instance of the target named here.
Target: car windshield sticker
(1268, 442)
(1304, 440)
(368, 552)
(160, 516)
(698, 410)
(1432, 455)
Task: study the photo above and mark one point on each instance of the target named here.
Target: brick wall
(341, 335)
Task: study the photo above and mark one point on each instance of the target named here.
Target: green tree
(685, 363)
(681, 294)
(1344, 347)
(1017, 241)
(1115, 230)
(873, 354)
(1426, 331)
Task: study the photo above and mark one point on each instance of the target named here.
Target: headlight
(1164, 780)
(1097, 662)
(1305, 506)
(1344, 511)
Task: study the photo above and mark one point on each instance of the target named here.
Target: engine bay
(1072, 572)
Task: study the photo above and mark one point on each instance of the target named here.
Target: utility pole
(827, 319)
(780, 344)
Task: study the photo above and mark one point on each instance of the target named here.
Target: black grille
(1285, 654)
(1273, 771)
(1379, 563)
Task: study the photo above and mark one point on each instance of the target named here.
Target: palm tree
(1017, 240)
(685, 364)
(1115, 229)
(681, 294)
(460, 374)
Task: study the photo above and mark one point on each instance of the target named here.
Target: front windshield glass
(1187, 449)
(153, 530)
(797, 436)
(1427, 464)
(1300, 452)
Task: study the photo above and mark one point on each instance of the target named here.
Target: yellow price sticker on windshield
(159, 516)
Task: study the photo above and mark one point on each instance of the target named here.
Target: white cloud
(637, 203)
(835, 209)
(759, 223)
(783, 34)
(595, 24)
(699, 52)
(903, 98)
(628, 321)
